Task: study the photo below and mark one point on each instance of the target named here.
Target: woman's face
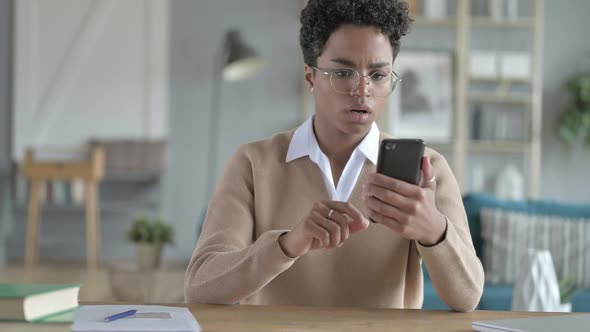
(366, 50)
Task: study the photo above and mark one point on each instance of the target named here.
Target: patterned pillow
(507, 235)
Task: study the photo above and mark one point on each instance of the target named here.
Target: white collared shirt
(304, 143)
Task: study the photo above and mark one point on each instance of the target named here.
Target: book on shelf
(36, 302)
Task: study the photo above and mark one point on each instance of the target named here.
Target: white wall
(5, 108)
(85, 69)
(89, 69)
(250, 110)
(5, 82)
(565, 174)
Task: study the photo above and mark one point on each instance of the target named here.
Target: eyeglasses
(348, 80)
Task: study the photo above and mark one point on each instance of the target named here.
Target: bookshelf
(487, 22)
(518, 96)
(424, 21)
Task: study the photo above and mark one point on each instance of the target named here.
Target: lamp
(241, 60)
(238, 61)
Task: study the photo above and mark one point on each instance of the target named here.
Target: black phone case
(401, 159)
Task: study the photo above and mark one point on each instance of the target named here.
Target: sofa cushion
(507, 235)
(474, 202)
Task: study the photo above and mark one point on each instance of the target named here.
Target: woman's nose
(363, 88)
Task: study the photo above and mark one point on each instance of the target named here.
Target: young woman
(288, 223)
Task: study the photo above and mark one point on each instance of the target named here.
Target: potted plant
(574, 123)
(150, 236)
(567, 290)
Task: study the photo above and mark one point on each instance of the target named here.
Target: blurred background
(114, 114)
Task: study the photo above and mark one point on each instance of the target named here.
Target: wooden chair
(91, 171)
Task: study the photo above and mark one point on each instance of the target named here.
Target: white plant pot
(148, 255)
(565, 307)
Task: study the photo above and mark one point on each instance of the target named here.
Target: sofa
(498, 296)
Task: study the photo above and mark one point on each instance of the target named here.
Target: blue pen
(120, 315)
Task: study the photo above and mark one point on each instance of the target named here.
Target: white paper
(91, 319)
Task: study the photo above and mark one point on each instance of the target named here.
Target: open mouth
(359, 116)
(360, 111)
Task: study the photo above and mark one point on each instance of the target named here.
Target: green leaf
(568, 288)
(567, 135)
(145, 230)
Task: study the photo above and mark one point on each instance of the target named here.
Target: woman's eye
(378, 76)
(343, 73)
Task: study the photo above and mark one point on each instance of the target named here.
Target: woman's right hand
(323, 229)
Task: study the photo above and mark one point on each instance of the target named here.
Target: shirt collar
(304, 143)
(299, 146)
(369, 146)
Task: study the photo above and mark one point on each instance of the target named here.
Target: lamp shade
(241, 61)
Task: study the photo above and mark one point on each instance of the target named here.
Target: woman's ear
(309, 77)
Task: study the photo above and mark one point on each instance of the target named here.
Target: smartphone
(401, 159)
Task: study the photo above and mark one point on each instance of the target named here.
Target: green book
(36, 302)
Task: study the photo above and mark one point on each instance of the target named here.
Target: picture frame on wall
(421, 105)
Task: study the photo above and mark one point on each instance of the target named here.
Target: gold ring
(431, 179)
(330, 213)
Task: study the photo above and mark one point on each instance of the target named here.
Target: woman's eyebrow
(345, 62)
(351, 63)
(379, 64)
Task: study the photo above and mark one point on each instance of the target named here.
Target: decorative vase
(148, 255)
(478, 178)
(510, 183)
(537, 288)
(565, 307)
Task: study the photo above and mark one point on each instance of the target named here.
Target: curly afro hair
(322, 17)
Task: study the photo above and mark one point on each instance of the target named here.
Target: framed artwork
(421, 105)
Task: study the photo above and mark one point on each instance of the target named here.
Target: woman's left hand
(407, 209)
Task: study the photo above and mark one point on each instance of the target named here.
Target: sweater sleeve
(455, 269)
(228, 263)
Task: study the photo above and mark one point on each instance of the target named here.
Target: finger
(399, 186)
(357, 226)
(319, 234)
(391, 197)
(386, 221)
(332, 228)
(358, 222)
(366, 209)
(387, 210)
(428, 177)
(345, 208)
(342, 222)
(338, 218)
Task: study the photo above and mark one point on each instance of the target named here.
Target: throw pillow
(507, 235)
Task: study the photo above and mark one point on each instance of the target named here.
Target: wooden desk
(271, 318)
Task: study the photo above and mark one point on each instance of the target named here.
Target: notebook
(36, 302)
(147, 319)
(569, 323)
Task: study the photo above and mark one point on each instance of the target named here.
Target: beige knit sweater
(260, 196)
